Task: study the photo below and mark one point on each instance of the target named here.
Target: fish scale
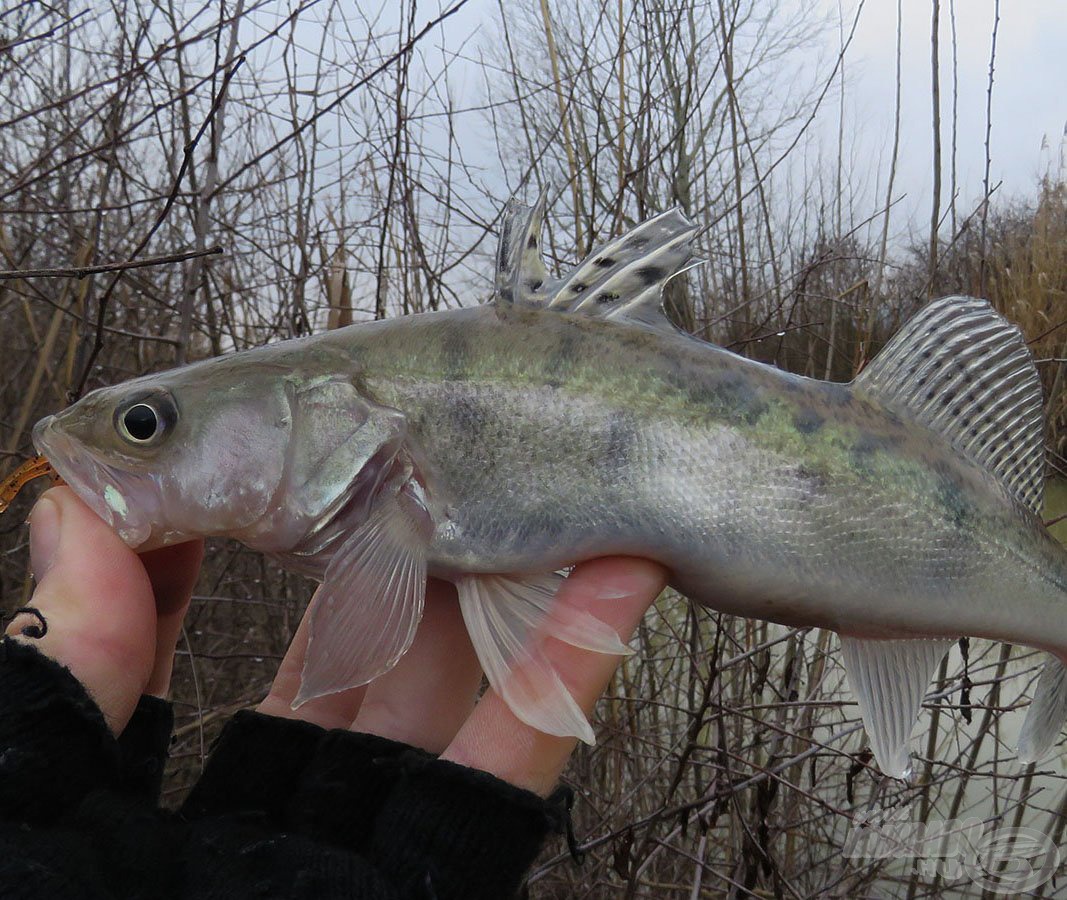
(568, 419)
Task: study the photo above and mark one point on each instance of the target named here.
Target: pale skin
(114, 619)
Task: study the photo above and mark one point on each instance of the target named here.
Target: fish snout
(122, 499)
(40, 431)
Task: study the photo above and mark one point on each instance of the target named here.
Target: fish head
(177, 455)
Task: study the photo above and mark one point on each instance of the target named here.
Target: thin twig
(84, 271)
(187, 156)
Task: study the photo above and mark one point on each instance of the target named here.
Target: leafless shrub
(347, 170)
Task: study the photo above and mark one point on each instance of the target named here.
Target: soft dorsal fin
(624, 279)
(963, 370)
(520, 269)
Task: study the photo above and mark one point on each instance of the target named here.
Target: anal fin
(1046, 714)
(506, 617)
(890, 679)
(364, 616)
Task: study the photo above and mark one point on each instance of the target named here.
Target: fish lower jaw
(110, 504)
(99, 487)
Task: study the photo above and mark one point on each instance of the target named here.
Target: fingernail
(44, 536)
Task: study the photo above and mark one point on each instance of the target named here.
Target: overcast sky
(1029, 93)
(1029, 97)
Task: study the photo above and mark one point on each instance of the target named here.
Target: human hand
(112, 617)
(429, 698)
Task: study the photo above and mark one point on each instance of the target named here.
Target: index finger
(618, 591)
(330, 711)
(173, 572)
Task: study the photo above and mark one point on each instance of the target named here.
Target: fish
(567, 418)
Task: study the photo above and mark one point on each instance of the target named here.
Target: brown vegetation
(318, 151)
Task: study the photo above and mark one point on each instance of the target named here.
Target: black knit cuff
(344, 786)
(143, 748)
(254, 767)
(56, 745)
(459, 832)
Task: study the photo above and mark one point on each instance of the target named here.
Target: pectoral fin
(365, 614)
(1046, 714)
(889, 679)
(504, 617)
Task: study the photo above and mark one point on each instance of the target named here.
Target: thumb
(96, 601)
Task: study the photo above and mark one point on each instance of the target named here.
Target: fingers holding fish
(96, 602)
(172, 572)
(425, 699)
(618, 591)
(329, 711)
(429, 698)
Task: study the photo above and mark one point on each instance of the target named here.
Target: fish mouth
(104, 488)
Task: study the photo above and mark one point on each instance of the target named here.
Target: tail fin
(1047, 713)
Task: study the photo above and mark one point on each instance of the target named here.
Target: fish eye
(140, 422)
(144, 419)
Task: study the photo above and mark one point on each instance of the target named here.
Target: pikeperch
(568, 419)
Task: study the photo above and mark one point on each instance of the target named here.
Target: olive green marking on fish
(839, 451)
(577, 355)
(457, 353)
(724, 396)
(808, 421)
(951, 494)
(565, 357)
(866, 447)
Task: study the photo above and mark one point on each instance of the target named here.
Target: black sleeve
(143, 748)
(54, 744)
(283, 809)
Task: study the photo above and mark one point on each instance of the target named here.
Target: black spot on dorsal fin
(624, 279)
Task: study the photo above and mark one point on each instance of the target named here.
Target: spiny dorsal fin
(520, 270)
(625, 278)
(963, 370)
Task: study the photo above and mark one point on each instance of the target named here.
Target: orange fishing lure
(38, 467)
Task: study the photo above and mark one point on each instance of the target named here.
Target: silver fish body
(766, 494)
(568, 420)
